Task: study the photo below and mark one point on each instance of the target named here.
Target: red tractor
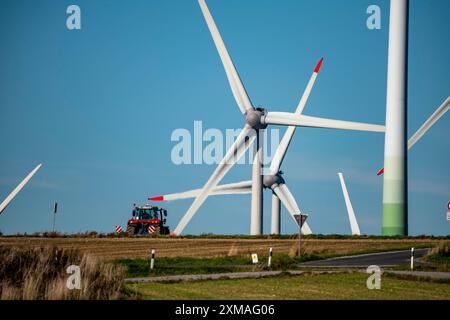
(148, 220)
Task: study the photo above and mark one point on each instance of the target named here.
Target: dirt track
(114, 248)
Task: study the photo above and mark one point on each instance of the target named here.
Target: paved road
(216, 276)
(382, 259)
(212, 276)
(425, 274)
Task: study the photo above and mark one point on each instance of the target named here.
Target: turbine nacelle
(272, 180)
(253, 118)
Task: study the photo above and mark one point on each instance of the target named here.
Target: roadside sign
(151, 229)
(254, 258)
(448, 216)
(448, 206)
(300, 218)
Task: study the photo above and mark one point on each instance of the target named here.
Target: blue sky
(97, 107)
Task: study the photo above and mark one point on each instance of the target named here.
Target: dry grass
(132, 248)
(438, 259)
(443, 249)
(40, 273)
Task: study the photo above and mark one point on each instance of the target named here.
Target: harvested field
(131, 248)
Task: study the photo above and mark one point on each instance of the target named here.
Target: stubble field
(133, 248)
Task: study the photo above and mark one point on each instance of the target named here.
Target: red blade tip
(158, 198)
(319, 64)
(380, 172)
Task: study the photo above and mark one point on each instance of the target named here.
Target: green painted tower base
(394, 220)
(395, 208)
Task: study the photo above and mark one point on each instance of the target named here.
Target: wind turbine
(271, 181)
(257, 119)
(22, 184)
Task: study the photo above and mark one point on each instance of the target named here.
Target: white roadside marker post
(412, 258)
(269, 263)
(152, 260)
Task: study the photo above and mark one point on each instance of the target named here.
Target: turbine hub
(253, 118)
(271, 180)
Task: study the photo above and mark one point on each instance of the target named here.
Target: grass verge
(324, 286)
(441, 255)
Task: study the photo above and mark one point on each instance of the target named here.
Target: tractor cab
(148, 213)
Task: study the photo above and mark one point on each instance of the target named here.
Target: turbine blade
(443, 108)
(236, 85)
(289, 202)
(22, 184)
(291, 119)
(280, 153)
(230, 188)
(243, 141)
(351, 214)
(233, 188)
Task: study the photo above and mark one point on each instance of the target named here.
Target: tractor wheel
(131, 230)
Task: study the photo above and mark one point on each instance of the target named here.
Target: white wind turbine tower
(22, 184)
(257, 120)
